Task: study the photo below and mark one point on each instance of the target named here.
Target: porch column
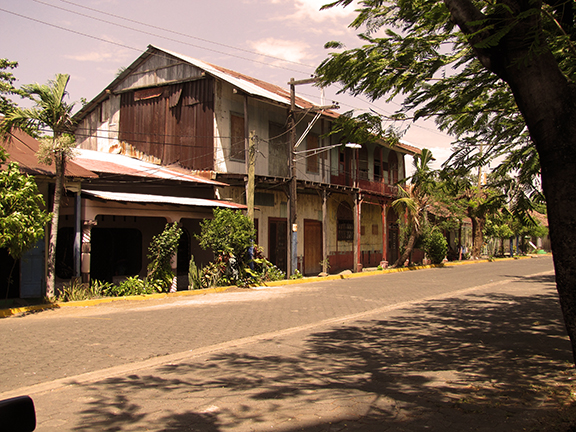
(174, 260)
(77, 235)
(357, 227)
(86, 249)
(324, 231)
(384, 237)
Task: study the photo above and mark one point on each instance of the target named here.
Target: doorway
(312, 247)
(277, 242)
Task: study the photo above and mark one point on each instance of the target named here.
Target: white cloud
(103, 52)
(310, 9)
(283, 49)
(94, 56)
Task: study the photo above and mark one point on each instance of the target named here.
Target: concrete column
(86, 249)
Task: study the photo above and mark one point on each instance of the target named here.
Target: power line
(169, 31)
(136, 49)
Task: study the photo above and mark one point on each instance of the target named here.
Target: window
(363, 164)
(345, 222)
(278, 151)
(377, 164)
(237, 147)
(392, 168)
(312, 160)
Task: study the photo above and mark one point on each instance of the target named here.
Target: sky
(272, 40)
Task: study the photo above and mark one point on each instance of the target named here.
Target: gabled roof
(22, 148)
(244, 83)
(249, 85)
(120, 165)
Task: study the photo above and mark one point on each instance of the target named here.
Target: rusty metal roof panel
(22, 148)
(117, 164)
(250, 85)
(161, 199)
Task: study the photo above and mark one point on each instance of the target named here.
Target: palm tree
(53, 113)
(415, 199)
(413, 206)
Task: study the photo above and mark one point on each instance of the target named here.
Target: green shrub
(229, 232)
(160, 252)
(436, 246)
(134, 286)
(76, 290)
(194, 275)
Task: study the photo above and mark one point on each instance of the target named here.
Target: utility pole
(293, 192)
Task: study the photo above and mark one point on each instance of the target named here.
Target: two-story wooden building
(171, 109)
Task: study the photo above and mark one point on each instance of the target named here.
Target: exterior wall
(260, 115)
(99, 129)
(148, 219)
(161, 112)
(371, 235)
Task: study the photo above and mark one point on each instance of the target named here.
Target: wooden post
(250, 185)
(384, 234)
(325, 231)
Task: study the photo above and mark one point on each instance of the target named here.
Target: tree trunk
(477, 234)
(411, 241)
(60, 164)
(547, 102)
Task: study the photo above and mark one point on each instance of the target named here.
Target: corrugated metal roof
(248, 84)
(22, 148)
(161, 199)
(117, 164)
(245, 83)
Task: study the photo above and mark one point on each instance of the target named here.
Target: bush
(229, 232)
(76, 291)
(436, 247)
(160, 252)
(134, 286)
(194, 275)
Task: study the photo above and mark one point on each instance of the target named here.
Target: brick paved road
(59, 343)
(118, 341)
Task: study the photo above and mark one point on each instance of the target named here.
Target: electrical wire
(166, 30)
(136, 49)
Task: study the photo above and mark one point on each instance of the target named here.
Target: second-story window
(377, 164)
(392, 168)
(363, 164)
(312, 160)
(237, 149)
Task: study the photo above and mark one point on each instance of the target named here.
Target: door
(277, 242)
(312, 247)
(32, 271)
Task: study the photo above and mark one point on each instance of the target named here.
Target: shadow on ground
(498, 362)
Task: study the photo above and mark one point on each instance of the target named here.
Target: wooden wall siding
(159, 69)
(175, 124)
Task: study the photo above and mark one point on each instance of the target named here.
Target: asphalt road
(302, 357)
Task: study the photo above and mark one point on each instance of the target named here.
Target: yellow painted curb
(92, 302)
(84, 303)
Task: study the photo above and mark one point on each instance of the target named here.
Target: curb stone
(4, 313)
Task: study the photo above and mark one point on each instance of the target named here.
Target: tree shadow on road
(498, 362)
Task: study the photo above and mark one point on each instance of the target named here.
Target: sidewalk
(490, 358)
